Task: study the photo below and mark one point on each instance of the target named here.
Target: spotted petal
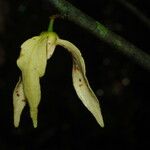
(19, 102)
(32, 62)
(80, 81)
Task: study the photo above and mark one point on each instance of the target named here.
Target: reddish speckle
(80, 85)
(23, 100)
(75, 67)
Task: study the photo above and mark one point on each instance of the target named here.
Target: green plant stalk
(51, 23)
(75, 15)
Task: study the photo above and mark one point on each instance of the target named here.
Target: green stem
(123, 46)
(51, 23)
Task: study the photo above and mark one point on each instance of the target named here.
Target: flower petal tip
(35, 124)
(101, 123)
(16, 124)
(18, 102)
(98, 116)
(33, 114)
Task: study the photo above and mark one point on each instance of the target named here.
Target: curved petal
(19, 102)
(32, 62)
(80, 81)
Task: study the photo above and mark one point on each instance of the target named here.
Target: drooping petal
(80, 81)
(19, 102)
(32, 62)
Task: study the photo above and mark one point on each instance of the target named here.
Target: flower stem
(51, 23)
(67, 10)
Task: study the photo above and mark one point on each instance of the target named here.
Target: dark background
(121, 85)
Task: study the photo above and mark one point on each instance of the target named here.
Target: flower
(32, 62)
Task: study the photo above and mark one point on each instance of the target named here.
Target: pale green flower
(32, 63)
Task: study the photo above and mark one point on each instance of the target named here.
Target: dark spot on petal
(80, 80)
(23, 100)
(18, 95)
(80, 85)
(75, 67)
